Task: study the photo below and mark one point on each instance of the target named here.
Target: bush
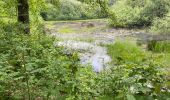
(70, 10)
(50, 13)
(134, 82)
(31, 67)
(161, 25)
(126, 16)
(135, 75)
(143, 80)
(137, 13)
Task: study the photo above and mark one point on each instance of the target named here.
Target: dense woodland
(33, 68)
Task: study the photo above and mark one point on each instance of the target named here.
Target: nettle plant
(32, 67)
(127, 81)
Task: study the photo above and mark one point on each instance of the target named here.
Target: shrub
(161, 25)
(126, 16)
(139, 81)
(70, 10)
(137, 13)
(50, 13)
(135, 75)
(31, 67)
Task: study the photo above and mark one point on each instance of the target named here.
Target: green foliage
(127, 81)
(50, 13)
(31, 67)
(8, 14)
(161, 25)
(142, 13)
(135, 13)
(126, 16)
(7, 8)
(137, 74)
(35, 19)
(70, 10)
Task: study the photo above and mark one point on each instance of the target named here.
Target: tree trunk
(23, 15)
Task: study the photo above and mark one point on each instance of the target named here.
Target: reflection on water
(97, 65)
(90, 53)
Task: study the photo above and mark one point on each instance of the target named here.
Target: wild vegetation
(32, 67)
(137, 13)
(71, 10)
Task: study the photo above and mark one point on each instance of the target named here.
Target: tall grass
(160, 46)
(125, 52)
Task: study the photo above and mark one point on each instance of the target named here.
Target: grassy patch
(125, 52)
(160, 46)
(66, 30)
(78, 29)
(128, 53)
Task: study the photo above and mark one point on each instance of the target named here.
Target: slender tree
(23, 14)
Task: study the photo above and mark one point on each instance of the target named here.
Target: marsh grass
(162, 46)
(66, 30)
(125, 52)
(129, 52)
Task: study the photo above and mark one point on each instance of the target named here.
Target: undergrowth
(31, 67)
(148, 70)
